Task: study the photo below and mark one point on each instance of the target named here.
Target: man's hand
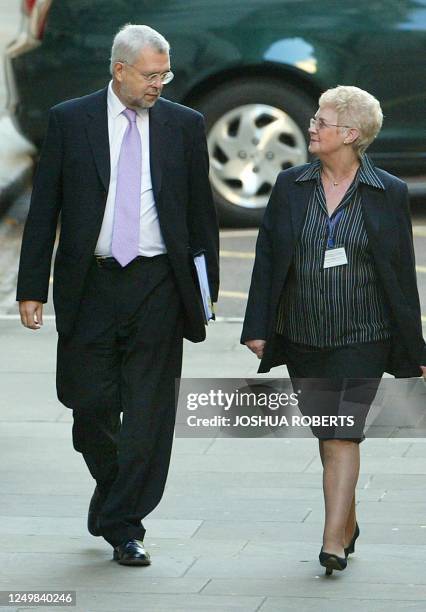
(256, 346)
(424, 371)
(31, 314)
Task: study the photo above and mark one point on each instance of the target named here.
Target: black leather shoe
(332, 562)
(350, 548)
(131, 553)
(93, 515)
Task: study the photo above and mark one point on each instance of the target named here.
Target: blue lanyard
(331, 227)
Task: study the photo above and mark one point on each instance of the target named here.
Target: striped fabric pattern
(337, 306)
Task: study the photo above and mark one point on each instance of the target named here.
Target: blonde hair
(357, 108)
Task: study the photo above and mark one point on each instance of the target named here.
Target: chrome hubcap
(248, 147)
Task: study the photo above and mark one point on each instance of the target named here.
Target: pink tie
(125, 233)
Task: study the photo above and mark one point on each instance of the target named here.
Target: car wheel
(255, 129)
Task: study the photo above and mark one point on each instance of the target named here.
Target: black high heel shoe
(350, 548)
(332, 562)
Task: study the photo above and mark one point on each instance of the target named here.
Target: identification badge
(335, 257)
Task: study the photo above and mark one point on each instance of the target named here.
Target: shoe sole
(134, 562)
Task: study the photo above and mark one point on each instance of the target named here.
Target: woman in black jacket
(333, 292)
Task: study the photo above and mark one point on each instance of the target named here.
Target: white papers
(203, 282)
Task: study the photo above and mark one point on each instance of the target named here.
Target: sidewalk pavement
(240, 524)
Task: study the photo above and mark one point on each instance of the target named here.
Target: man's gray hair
(131, 39)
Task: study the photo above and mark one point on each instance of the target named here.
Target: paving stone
(28, 347)
(33, 401)
(293, 534)
(43, 505)
(214, 508)
(29, 430)
(107, 601)
(374, 512)
(78, 545)
(260, 529)
(174, 491)
(250, 478)
(290, 604)
(342, 586)
(46, 482)
(307, 551)
(417, 450)
(222, 463)
(397, 481)
(384, 465)
(53, 525)
(369, 566)
(91, 569)
(409, 495)
(191, 446)
(44, 454)
(264, 447)
(135, 581)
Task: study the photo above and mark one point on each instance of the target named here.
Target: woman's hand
(257, 347)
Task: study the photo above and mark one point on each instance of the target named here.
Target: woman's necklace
(333, 181)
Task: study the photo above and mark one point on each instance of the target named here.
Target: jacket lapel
(163, 140)
(378, 220)
(373, 209)
(162, 143)
(298, 195)
(97, 132)
(380, 225)
(381, 228)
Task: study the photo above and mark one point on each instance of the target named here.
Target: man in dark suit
(128, 172)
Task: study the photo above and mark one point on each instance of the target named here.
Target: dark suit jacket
(73, 178)
(388, 226)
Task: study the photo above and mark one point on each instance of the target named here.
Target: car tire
(230, 109)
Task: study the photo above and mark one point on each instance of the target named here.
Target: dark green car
(255, 68)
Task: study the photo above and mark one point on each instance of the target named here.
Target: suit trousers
(337, 384)
(117, 372)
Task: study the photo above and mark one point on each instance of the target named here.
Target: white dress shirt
(150, 238)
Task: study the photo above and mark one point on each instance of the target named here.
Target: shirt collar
(311, 173)
(366, 174)
(115, 105)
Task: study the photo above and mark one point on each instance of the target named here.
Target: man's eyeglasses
(164, 77)
(320, 124)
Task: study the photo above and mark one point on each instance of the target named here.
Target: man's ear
(118, 71)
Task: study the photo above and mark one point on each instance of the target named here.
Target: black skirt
(336, 386)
